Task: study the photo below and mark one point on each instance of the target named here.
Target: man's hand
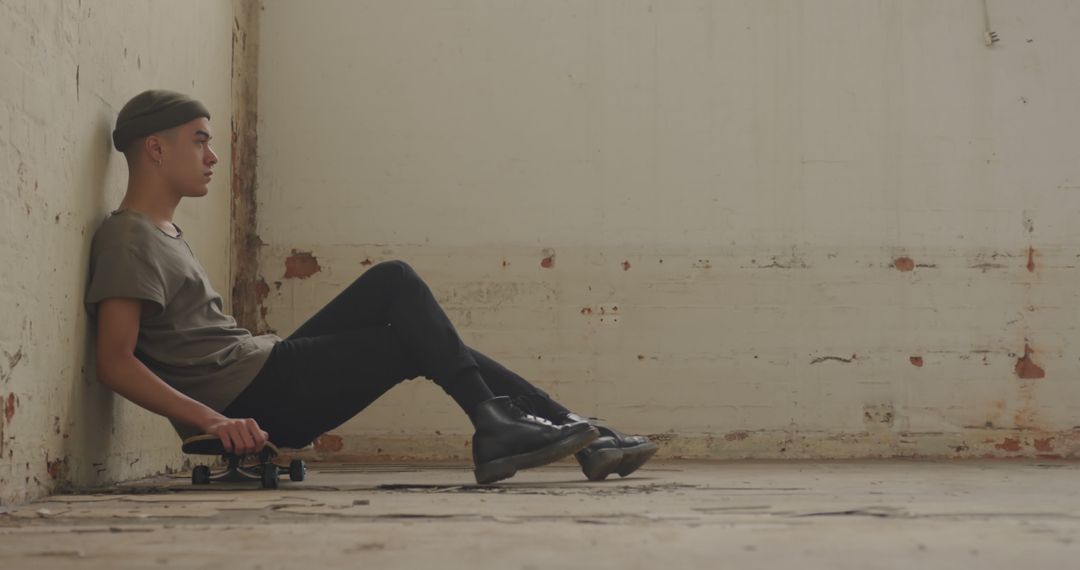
(239, 436)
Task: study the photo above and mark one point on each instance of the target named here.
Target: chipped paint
(879, 439)
(329, 443)
(548, 260)
(904, 264)
(244, 157)
(1026, 367)
(262, 291)
(474, 305)
(301, 265)
(55, 468)
(1009, 444)
(879, 414)
(14, 359)
(820, 359)
(61, 113)
(9, 407)
(747, 304)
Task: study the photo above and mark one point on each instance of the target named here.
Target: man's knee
(395, 266)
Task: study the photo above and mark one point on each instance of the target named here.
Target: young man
(164, 343)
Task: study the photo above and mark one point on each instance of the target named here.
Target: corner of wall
(247, 289)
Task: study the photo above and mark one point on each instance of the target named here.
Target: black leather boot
(507, 439)
(600, 458)
(612, 452)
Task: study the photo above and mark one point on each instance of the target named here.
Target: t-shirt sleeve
(122, 272)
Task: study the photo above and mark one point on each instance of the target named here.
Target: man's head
(167, 135)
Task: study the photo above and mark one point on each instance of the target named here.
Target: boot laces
(522, 403)
(539, 420)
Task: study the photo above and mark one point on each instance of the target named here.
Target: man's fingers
(241, 437)
(260, 437)
(226, 440)
(247, 443)
(236, 439)
(257, 435)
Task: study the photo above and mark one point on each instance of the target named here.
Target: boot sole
(601, 463)
(506, 467)
(635, 457)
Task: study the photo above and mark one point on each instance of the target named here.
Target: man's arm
(117, 368)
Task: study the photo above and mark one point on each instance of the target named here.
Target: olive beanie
(154, 111)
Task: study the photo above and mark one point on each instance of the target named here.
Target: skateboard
(265, 471)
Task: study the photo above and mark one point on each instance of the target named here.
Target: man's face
(187, 159)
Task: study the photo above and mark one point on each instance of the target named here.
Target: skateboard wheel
(270, 476)
(266, 454)
(297, 470)
(200, 475)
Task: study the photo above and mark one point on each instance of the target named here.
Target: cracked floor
(867, 514)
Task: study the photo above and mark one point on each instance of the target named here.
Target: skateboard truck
(265, 471)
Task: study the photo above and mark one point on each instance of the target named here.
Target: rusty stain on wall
(9, 407)
(329, 443)
(904, 263)
(1026, 367)
(1009, 444)
(55, 468)
(301, 265)
(549, 258)
(916, 360)
(262, 291)
(1031, 259)
(1024, 417)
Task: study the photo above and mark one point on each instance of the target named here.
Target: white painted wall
(66, 68)
(736, 177)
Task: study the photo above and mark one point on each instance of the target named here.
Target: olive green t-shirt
(189, 342)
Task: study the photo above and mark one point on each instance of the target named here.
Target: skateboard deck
(260, 466)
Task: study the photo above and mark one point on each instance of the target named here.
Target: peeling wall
(756, 229)
(66, 68)
(245, 242)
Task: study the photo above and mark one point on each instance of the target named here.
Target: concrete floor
(888, 514)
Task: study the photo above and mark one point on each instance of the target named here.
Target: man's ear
(154, 148)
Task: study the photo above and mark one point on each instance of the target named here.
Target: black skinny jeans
(384, 328)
